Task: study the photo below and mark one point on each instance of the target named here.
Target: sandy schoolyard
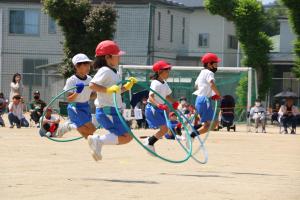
(241, 166)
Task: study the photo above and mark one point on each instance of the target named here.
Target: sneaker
(264, 131)
(95, 146)
(48, 134)
(293, 131)
(11, 126)
(146, 144)
(256, 131)
(285, 132)
(63, 129)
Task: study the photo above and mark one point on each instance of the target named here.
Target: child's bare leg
(204, 128)
(87, 129)
(162, 131)
(124, 139)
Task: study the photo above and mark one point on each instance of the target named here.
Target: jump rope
(186, 122)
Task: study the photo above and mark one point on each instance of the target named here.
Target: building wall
(286, 37)
(218, 29)
(164, 47)
(132, 32)
(16, 48)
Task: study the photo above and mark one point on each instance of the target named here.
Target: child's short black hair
(154, 76)
(17, 97)
(205, 65)
(99, 62)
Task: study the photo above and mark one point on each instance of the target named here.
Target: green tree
(272, 26)
(249, 19)
(294, 19)
(82, 26)
(241, 93)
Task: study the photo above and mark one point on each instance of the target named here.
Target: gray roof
(191, 3)
(166, 2)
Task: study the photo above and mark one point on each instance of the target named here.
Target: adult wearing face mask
(183, 105)
(288, 115)
(258, 114)
(36, 107)
(142, 123)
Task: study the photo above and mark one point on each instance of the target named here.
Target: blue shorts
(204, 109)
(154, 116)
(79, 113)
(108, 118)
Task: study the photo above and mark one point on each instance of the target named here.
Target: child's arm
(71, 96)
(170, 99)
(93, 95)
(214, 88)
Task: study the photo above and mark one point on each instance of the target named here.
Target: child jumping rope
(206, 89)
(78, 109)
(155, 108)
(105, 83)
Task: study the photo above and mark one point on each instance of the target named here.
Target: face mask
(257, 104)
(214, 70)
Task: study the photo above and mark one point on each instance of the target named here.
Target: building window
(232, 42)
(203, 40)
(51, 26)
(25, 22)
(183, 30)
(32, 75)
(159, 25)
(171, 29)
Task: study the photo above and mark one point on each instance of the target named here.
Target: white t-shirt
(84, 96)
(161, 88)
(106, 77)
(203, 83)
(17, 110)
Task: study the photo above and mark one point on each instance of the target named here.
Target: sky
(267, 1)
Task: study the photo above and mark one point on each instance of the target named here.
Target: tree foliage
(294, 19)
(241, 93)
(272, 26)
(249, 19)
(83, 26)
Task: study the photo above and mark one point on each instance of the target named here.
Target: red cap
(161, 64)
(108, 47)
(171, 114)
(210, 57)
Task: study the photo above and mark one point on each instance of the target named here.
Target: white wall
(286, 36)
(16, 48)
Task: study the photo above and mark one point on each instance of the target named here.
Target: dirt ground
(241, 166)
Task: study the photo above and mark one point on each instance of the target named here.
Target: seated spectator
(50, 124)
(176, 127)
(274, 112)
(258, 114)
(3, 105)
(142, 123)
(288, 115)
(36, 107)
(15, 115)
(183, 105)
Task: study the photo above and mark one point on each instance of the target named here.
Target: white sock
(94, 121)
(72, 126)
(109, 139)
